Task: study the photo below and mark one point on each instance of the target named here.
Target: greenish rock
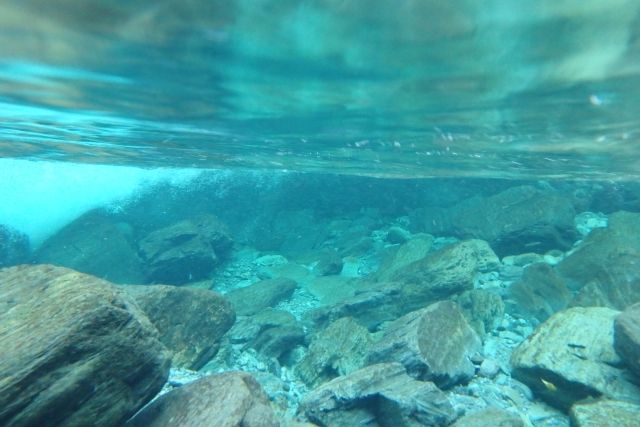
(76, 350)
(540, 292)
(522, 260)
(273, 333)
(233, 399)
(517, 220)
(191, 322)
(378, 395)
(413, 250)
(397, 235)
(435, 343)
(263, 294)
(483, 309)
(14, 247)
(490, 417)
(605, 267)
(601, 413)
(627, 337)
(328, 263)
(333, 289)
(339, 349)
(570, 357)
(93, 244)
(186, 251)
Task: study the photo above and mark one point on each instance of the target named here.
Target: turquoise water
(409, 89)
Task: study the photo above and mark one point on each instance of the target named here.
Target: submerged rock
(380, 395)
(186, 251)
(571, 357)
(540, 292)
(14, 247)
(231, 399)
(482, 309)
(411, 251)
(490, 417)
(435, 343)
(263, 294)
(76, 350)
(627, 337)
(601, 413)
(93, 244)
(191, 321)
(517, 220)
(339, 349)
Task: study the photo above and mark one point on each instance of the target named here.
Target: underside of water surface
(343, 213)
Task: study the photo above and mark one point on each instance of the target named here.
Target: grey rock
(490, 417)
(14, 247)
(435, 343)
(231, 399)
(397, 235)
(482, 309)
(191, 321)
(517, 220)
(76, 350)
(329, 263)
(571, 357)
(627, 337)
(489, 368)
(601, 413)
(540, 292)
(271, 332)
(186, 251)
(263, 294)
(339, 349)
(413, 250)
(378, 395)
(93, 244)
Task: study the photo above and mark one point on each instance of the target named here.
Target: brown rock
(75, 350)
(626, 339)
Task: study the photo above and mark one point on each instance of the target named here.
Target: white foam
(38, 198)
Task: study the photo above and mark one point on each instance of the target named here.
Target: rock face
(571, 357)
(93, 244)
(75, 350)
(627, 337)
(605, 413)
(378, 395)
(435, 343)
(339, 349)
(266, 293)
(517, 220)
(606, 265)
(232, 399)
(186, 251)
(14, 247)
(191, 322)
(540, 292)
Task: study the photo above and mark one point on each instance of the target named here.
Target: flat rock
(191, 321)
(378, 395)
(540, 292)
(339, 349)
(263, 294)
(76, 350)
(95, 245)
(14, 247)
(571, 357)
(601, 413)
(435, 343)
(490, 417)
(186, 251)
(627, 337)
(231, 399)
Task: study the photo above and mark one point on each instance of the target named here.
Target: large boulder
(540, 292)
(627, 337)
(570, 357)
(483, 309)
(378, 395)
(191, 321)
(231, 399)
(14, 247)
(95, 245)
(186, 251)
(435, 343)
(605, 267)
(339, 349)
(517, 220)
(601, 413)
(75, 350)
(263, 294)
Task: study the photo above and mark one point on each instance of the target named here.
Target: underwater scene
(347, 213)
